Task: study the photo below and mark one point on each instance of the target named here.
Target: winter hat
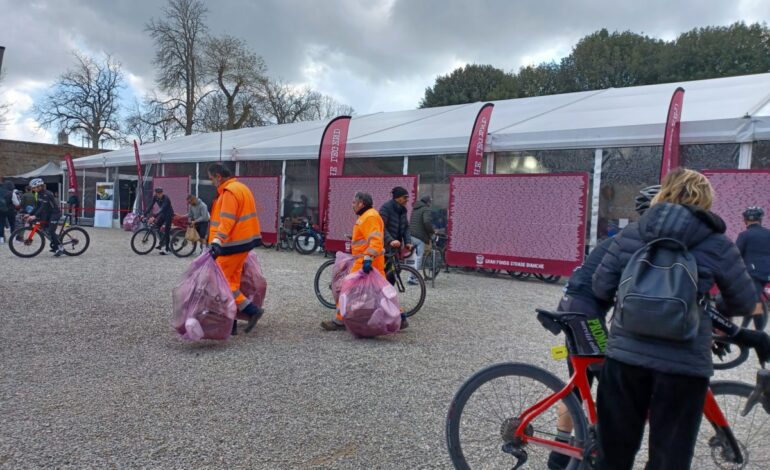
(398, 191)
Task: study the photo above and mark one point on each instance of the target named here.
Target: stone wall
(18, 157)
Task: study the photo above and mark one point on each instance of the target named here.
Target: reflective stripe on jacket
(234, 218)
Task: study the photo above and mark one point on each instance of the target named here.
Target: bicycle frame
(579, 380)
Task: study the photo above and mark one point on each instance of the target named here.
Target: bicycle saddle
(556, 321)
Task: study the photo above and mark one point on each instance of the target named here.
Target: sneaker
(162, 252)
(254, 313)
(557, 461)
(332, 325)
(59, 252)
(413, 282)
(404, 323)
(2, 240)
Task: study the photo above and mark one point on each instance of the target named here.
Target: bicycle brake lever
(760, 394)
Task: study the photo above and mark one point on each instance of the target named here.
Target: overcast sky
(375, 55)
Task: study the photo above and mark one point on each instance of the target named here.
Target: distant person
(48, 212)
(420, 231)
(163, 218)
(28, 200)
(73, 204)
(7, 209)
(198, 216)
(233, 234)
(754, 245)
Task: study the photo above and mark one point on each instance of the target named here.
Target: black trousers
(164, 227)
(629, 395)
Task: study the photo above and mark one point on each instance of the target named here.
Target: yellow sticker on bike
(559, 352)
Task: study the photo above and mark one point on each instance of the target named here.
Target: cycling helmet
(36, 182)
(645, 196)
(753, 213)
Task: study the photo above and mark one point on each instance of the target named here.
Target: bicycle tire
(323, 286)
(143, 241)
(307, 247)
(497, 426)
(402, 286)
(712, 448)
(427, 264)
(180, 246)
(78, 243)
(20, 239)
(736, 355)
(516, 274)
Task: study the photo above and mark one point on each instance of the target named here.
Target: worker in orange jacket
(233, 233)
(367, 245)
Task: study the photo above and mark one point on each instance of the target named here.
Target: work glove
(759, 340)
(216, 250)
(367, 266)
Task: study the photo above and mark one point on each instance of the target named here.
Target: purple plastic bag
(369, 305)
(130, 221)
(204, 307)
(253, 283)
(342, 264)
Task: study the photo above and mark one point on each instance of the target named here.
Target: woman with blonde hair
(651, 373)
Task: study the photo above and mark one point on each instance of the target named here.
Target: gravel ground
(93, 375)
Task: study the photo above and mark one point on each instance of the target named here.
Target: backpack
(658, 292)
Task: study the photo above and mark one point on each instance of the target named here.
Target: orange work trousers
(232, 268)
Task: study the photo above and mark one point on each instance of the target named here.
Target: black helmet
(645, 197)
(753, 213)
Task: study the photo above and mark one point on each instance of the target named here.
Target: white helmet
(36, 182)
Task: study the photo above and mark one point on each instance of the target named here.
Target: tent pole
(595, 193)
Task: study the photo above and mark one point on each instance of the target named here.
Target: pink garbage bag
(204, 307)
(130, 221)
(369, 305)
(342, 265)
(253, 283)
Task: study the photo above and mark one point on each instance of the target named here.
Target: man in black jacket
(7, 209)
(396, 225)
(754, 245)
(420, 231)
(163, 218)
(48, 212)
(665, 381)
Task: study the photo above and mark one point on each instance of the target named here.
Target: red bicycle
(505, 415)
(29, 241)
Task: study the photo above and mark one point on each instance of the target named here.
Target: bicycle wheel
(24, 244)
(75, 241)
(547, 278)
(485, 411)
(516, 274)
(713, 449)
(489, 272)
(181, 246)
(322, 284)
(432, 263)
(143, 241)
(733, 356)
(411, 296)
(305, 242)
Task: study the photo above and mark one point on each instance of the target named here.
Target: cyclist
(367, 245)
(420, 230)
(73, 204)
(234, 233)
(396, 223)
(665, 380)
(198, 216)
(47, 212)
(163, 218)
(754, 245)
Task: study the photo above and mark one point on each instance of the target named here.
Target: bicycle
(308, 239)
(514, 434)
(730, 355)
(434, 260)
(179, 245)
(547, 278)
(411, 297)
(29, 241)
(147, 237)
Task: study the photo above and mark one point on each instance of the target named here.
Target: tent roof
(734, 109)
(49, 169)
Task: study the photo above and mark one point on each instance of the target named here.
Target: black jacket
(421, 223)
(47, 208)
(7, 197)
(396, 224)
(579, 284)
(754, 245)
(164, 207)
(718, 261)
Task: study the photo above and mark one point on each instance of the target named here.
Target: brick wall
(18, 157)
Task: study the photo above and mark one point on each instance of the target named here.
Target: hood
(688, 224)
(418, 205)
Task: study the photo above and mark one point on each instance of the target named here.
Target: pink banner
(139, 181)
(671, 136)
(475, 160)
(71, 175)
(331, 161)
(524, 222)
(340, 203)
(177, 188)
(734, 191)
(266, 191)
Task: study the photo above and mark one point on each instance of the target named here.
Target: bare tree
(238, 73)
(85, 100)
(178, 40)
(327, 107)
(149, 121)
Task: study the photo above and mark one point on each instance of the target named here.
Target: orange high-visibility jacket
(368, 240)
(234, 218)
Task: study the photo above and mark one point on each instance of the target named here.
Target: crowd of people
(36, 204)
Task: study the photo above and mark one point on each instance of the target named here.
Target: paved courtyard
(93, 375)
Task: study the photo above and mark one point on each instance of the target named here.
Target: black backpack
(658, 292)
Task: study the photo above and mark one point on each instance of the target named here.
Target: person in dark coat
(396, 224)
(420, 231)
(163, 218)
(663, 381)
(754, 245)
(7, 210)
